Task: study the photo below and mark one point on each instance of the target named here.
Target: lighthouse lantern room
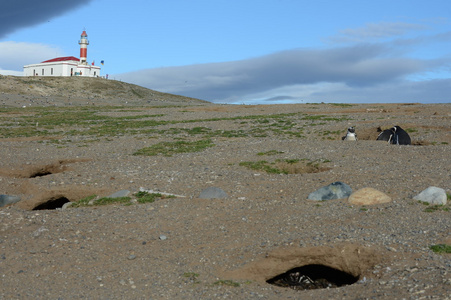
(66, 66)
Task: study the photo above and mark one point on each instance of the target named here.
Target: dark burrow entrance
(311, 277)
(52, 203)
(40, 173)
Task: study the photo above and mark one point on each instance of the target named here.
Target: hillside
(27, 91)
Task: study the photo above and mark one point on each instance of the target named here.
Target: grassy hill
(84, 88)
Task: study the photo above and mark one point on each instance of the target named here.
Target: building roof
(66, 58)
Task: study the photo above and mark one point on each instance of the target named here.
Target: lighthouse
(83, 47)
(66, 66)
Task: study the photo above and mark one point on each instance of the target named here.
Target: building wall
(66, 68)
(88, 70)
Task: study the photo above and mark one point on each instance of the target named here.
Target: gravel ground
(192, 248)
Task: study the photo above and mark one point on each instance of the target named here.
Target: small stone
(212, 193)
(368, 196)
(119, 194)
(131, 257)
(432, 195)
(163, 237)
(66, 205)
(8, 199)
(336, 190)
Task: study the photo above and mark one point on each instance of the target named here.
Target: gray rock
(212, 192)
(8, 199)
(336, 190)
(119, 194)
(432, 195)
(66, 205)
(163, 237)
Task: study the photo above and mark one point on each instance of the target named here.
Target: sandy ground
(192, 248)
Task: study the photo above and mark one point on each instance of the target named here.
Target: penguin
(400, 136)
(350, 135)
(384, 135)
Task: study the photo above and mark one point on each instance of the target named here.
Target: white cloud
(375, 31)
(14, 55)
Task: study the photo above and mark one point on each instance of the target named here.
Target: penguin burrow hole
(314, 267)
(40, 171)
(314, 276)
(52, 203)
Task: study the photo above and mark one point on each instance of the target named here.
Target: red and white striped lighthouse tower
(83, 47)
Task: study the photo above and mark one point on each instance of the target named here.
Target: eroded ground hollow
(313, 276)
(52, 203)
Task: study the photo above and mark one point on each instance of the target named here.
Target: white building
(66, 66)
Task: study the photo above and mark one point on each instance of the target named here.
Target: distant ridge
(93, 90)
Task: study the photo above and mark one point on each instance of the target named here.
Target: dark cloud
(17, 14)
(361, 67)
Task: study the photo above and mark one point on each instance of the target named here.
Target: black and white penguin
(400, 136)
(350, 135)
(385, 135)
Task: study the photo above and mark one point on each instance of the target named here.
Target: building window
(51, 71)
(94, 73)
(42, 72)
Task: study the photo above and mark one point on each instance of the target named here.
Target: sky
(246, 52)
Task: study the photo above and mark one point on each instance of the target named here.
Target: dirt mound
(82, 90)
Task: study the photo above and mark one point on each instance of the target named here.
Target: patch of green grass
(227, 283)
(96, 121)
(83, 202)
(145, 197)
(109, 201)
(411, 130)
(328, 132)
(261, 165)
(270, 152)
(171, 148)
(435, 207)
(286, 166)
(441, 248)
(342, 104)
(101, 201)
(192, 276)
(198, 130)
